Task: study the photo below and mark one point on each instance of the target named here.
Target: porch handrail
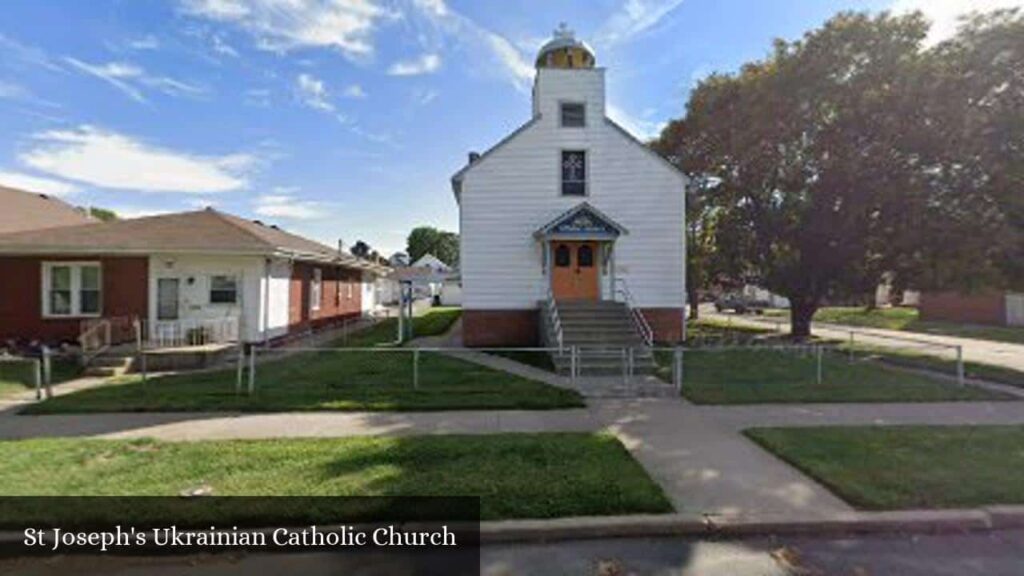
(94, 338)
(639, 321)
(554, 320)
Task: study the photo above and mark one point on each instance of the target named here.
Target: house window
(574, 115)
(562, 256)
(72, 289)
(223, 290)
(585, 256)
(315, 289)
(349, 284)
(574, 173)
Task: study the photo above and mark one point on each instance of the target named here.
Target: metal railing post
(37, 375)
(821, 352)
(625, 367)
(632, 365)
(416, 369)
(47, 372)
(252, 370)
(677, 365)
(960, 365)
(241, 368)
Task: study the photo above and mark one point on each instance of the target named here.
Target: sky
(338, 119)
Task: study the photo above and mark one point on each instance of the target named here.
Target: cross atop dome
(565, 51)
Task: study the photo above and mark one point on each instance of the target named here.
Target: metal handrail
(94, 338)
(642, 326)
(187, 332)
(555, 320)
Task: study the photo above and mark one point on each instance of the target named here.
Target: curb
(745, 525)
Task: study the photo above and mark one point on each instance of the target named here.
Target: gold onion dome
(565, 51)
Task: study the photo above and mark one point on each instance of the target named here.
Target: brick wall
(482, 328)
(667, 323)
(125, 293)
(985, 308)
(340, 296)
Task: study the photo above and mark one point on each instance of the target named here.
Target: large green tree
(429, 240)
(830, 173)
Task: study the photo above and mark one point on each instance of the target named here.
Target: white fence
(191, 332)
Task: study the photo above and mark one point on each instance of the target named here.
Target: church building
(570, 214)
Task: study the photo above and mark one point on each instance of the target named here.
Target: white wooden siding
(517, 188)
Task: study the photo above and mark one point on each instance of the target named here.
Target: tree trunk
(694, 299)
(801, 314)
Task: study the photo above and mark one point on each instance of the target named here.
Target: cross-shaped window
(574, 173)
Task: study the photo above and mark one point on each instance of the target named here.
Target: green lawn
(515, 475)
(753, 376)
(881, 468)
(432, 322)
(907, 320)
(346, 381)
(17, 376)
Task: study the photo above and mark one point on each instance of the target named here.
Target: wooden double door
(574, 270)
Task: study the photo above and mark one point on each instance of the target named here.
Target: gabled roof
(20, 210)
(458, 176)
(582, 220)
(203, 232)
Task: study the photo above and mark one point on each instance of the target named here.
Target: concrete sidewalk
(696, 453)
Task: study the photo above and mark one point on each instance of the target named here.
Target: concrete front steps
(604, 334)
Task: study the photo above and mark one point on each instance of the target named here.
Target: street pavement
(952, 554)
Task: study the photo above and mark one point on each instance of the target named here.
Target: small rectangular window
(574, 115)
(574, 173)
(315, 287)
(223, 290)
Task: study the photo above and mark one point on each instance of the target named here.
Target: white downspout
(266, 301)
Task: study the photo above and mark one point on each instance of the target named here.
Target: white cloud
(12, 91)
(284, 204)
(517, 68)
(642, 128)
(313, 93)
(31, 183)
(148, 42)
(355, 91)
(259, 97)
(282, 25)
(132, 80)
(111, 160)
(21, 56)
(222, 47)
(635, 18)
(945, 14)
(424, 96)
(425, 64)
(130, 211)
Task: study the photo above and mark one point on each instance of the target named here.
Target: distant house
(569, 211)
(177, 272)
(399, 260)
(432, 262)
(20, 210)
(998, 308)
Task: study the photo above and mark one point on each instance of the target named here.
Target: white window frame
(349, 283)
(209, 291)
(76, 267)
(316, 284)
(586, 173)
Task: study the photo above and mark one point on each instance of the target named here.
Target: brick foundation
(482, 328)
(667, 323)
(985, 308)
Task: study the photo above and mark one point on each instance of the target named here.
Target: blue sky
(336, 118)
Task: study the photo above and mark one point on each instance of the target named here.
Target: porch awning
(582, 222)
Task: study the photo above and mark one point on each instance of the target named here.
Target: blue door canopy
(581, 222)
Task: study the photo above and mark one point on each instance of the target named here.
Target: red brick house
(998, 308)
(203, 270)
